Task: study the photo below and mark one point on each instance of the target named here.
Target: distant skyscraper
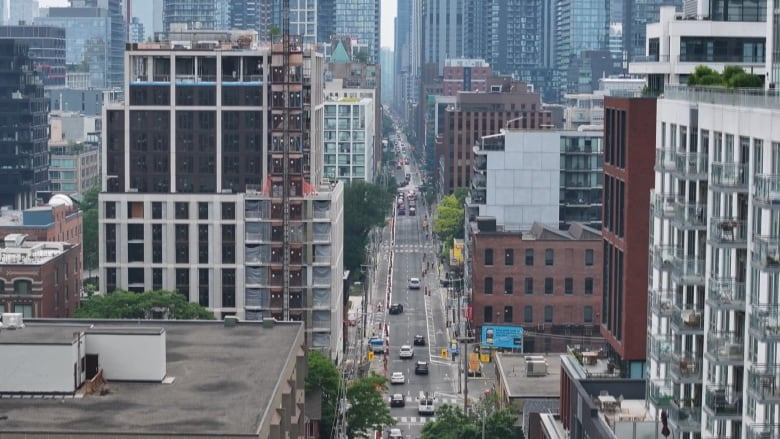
(137, 31)
(386, 60)
(46, 49)
(303, 19)
(245, 14)
(580, 25)
(637, 14)
(22, 10)
(442, 27)
(326, 20)
(402, 52)
(360, 19)
(195, 14)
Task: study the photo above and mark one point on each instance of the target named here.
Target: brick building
(629, 154)
(38, 278)
(465, 75)
(544, 279)
(506, 103)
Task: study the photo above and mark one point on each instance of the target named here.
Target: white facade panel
(40, 368)
(129, 357)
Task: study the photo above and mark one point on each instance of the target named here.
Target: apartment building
(202, 196)
(714, 307)
(349, 139)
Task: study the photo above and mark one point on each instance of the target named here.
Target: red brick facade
(456, 79)
(575, 285)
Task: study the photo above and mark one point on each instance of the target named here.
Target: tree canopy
(368, 410)
(89, 226)
(127, 305)
(452, 423)
(448, 223)
(365, 206)
(322, 374)
(732, 77)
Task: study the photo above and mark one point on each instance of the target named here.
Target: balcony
(665, 160)
(660, 347)
(688, 269)
(766, 253)
(478, 196)
(688, 319)
(764, 383)
(726, 293)
(663, 257)
(686, 415)
(478, 181)
(766, 190)
(480, 162)
(728, 232)
(729, 177)
(765, 322)
(691, 165)
(723, 402)
(662, 302)
(686, 367)
(659, 392)
(690, 216)
(663, 205)
(725, 348)
(763, 431)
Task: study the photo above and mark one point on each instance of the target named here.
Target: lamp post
(464, 354)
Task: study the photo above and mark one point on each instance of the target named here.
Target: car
(396, 308)
(406, 351)
(397, 378)
(401, 210)
(421, 368)
(397, 400)
(419, 340)
(412, 211)
(414, 283)
(425, 406)
(395, 433)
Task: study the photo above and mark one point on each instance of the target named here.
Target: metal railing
(692, 164)
(765, 322)
(688, 318)
(690, 215)
(766, 252)
(766, 189)
(729, 175)
(665, 159)
(724, 401)
(726, 293)
(729, 231)
(742, 97)
(725, 347)
(764, 382)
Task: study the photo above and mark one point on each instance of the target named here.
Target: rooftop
(512, 371)
(739, 97)
(18, 251)
(223, 380)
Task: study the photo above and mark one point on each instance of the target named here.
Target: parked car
(419, 340)
(397, 378)
(406, 351)
(397, 400)
(421, 368)
(396, 308)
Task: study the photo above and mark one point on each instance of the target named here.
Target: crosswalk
(401, 420)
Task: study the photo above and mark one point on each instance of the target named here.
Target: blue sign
(507, 337)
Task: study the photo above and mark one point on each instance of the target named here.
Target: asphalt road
(423, 314)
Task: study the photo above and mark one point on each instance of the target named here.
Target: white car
(406, 351)
(414, 283)
(397, 378)
(395, 433)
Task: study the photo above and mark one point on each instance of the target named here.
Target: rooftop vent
(268, 322)
(231, 321)
(13, 320)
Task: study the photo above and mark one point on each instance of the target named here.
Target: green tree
(127, 305)
(89, 227)
(452, 423)
(322, 374)
(448, 223)
(368, 410)
(365, 206)
(703, 75)
(732, 77)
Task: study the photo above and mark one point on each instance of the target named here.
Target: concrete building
(137, 31)
(350, 134)
(46, 49)
(507, 104)
(22, 11)
(717, 37)
(525, 391)
(179, 15)
(74, 144)
(637, 14)
(211, 202)
(629, 154)
(78, 97)
(580, 26)
(23, 111)
(150, 376)
(465, 75)
(554, 289)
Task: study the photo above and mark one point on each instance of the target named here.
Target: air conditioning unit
(13, 320)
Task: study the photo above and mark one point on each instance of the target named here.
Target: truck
(475, 366)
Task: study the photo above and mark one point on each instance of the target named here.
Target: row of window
(181, 210)
(529, 286)
(549, 257)
(21, 287)
(528, 314)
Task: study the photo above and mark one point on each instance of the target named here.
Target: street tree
(322, 374)
(368, 410)
(127, 305)
(452, 423)
(448, 223)
(365, 206)
(89, 227)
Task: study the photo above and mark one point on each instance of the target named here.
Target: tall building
(47, 50)
(442, 32)
(24, 152)
(465, 75)
(387, 62)
(348, 153)
(302, 18)
(202, 196)
(245, 14)
(579, 26)
(360, 19)
(95, 37)
(402, 51)
(629, 152)
(637, 14)
(137, 31)
(22, 11)
(181, 15)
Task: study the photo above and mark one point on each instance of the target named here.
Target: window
(488, 256)
(529, 257)
(488, 285)
(507, 314)
(203, 210)
(588, 257)
(22, 287)
(25, 310)
(548, 285)
(548, 314)
(508, 285)
(488, 314)
(110, 207)
(548, 257)
(588, 314)
(157, 210)
(529, 285)
(569, 286)
(182, 210)
(528, 314)
(509, 257)
(588, 285)
(228, 211)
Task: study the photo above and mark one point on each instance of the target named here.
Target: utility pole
(465, 355)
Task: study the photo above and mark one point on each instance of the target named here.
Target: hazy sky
(387, 38)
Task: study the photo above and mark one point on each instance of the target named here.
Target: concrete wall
(37, 368)
(129, 357)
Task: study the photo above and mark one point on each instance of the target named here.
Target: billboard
(507, 337)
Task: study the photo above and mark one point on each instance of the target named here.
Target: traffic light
(370, 356)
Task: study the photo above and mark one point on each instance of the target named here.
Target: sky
(389, 7)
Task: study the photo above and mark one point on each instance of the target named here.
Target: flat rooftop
(512, 368)
(223, 382)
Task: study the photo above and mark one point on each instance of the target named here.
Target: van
(376, 344)
(425, 405)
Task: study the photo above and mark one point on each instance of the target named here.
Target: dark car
(396, 308)
(421, 368)
(397, 400)
(419, 340)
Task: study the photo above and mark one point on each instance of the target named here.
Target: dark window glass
(548, 285)
(157, 210)
(588, 285)
(228, 211)
(529, 257)
(568, 285)
(182, 210)
(588, 314)
(528, 314)
(488, 285)
(529, 285)
(488, 314)
(548, 314)
(508, 285)
(509, 257)
(548, 257)
(488, 256)
(588, 257)
(507, 314)
(203, 210)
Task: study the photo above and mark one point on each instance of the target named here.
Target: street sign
(444, 353)
(508, 337)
